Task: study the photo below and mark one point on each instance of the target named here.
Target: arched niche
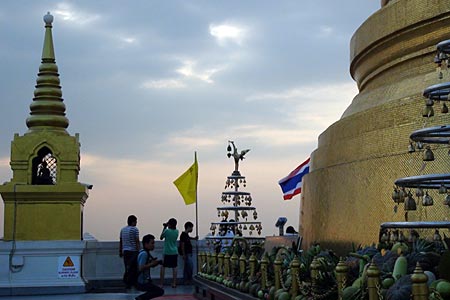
(44, 167)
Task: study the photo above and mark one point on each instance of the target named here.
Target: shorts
(170, 261)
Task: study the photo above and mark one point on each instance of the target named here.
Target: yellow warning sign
(68, 262)
(69, 266)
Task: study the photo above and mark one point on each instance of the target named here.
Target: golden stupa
(347, 193)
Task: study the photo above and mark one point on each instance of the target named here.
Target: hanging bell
(401, 237)
(384, 238)
(411, 148)
(419, 192)
(419, 145)
(444, 108)
(436, 59)
(396, 195)
(436, 236)
(447, 200)
(428, 111)
(427, 200)
(393, 237)
(428, 154)
(229, 148)
(402, 195)
(410, 203)
(442, 189)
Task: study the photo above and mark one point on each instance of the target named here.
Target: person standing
(145, 262)
(170, 250)
(129, 250)
(185, 251)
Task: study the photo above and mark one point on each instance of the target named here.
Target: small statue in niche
(43, 176)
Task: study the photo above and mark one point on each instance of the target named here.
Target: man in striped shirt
(129, 249)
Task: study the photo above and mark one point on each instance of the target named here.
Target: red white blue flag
(291, 185)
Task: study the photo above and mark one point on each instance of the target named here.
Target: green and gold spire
(47, 111)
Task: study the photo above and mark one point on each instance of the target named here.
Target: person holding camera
(170, 250)
(145, 262)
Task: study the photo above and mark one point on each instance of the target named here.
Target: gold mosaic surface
(348, 191)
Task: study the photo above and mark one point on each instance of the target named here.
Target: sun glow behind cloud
(225, 33)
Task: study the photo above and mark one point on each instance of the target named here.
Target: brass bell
(411, 148)
(447, 200)
(427, 200)
(442, 189)
(396, 195)
(393, 237)
(410, 203)
(428, 111)
(419, 192)
(384, 238)
(402, 195)
(428, 154)
(444, 108)
(437, 237)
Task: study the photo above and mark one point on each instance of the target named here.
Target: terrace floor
(182, 292)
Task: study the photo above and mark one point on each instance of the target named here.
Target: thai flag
(291, 185)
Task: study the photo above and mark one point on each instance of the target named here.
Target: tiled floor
(179, 293)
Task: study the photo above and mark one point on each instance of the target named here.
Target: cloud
(69, 14)
(189, 70)
(163, 84)
(322, 93)
(225, 33)
(325, 31)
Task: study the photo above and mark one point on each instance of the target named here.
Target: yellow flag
(187, 183)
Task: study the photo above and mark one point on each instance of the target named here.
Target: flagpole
(196, 211)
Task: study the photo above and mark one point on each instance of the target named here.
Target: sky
(148, 83)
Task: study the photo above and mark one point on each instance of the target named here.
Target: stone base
(41, 267)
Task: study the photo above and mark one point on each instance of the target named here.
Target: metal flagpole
(196, 212)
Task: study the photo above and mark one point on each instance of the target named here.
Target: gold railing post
(204, 262)
(419, 284)
(295, 267)
(373, 281)
(242, 263)
(277, 270)
(220, 263)
(252, 263)
(226, 268)
(213, 262)
(199, 262)
(234, 264)
(264, 278)
(208, 263)
(341, 276)
(314, 274)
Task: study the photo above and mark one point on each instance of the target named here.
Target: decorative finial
(48, 19)
(237, 156)
(47, 111)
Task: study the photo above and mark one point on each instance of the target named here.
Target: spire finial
(47, 109)
(48, 19)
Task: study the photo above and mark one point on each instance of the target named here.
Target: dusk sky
(147, 83)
